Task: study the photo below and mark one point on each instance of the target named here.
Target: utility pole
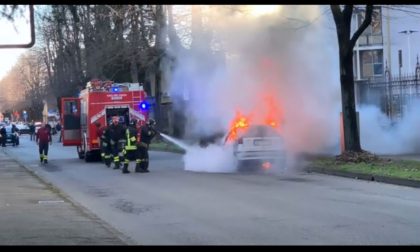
(400, 81)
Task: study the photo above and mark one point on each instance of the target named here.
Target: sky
(16, 33)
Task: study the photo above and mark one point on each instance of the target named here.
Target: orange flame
(240, 122)
(267, 113)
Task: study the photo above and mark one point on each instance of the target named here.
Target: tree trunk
(160, 49)
(158, 79)
(133, 70)
(351, 132)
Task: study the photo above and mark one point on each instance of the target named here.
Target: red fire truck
(98, 102)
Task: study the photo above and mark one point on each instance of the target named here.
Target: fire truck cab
(98, 102)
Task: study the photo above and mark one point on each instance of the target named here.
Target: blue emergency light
(115, 89)
(144, 105)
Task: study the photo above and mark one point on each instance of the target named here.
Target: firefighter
(43, 137)
(131, 145)
(105, 141)
(144, 137)
(117, 140)
(99, 132)
(3, 135)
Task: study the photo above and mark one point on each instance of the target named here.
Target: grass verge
(403, 169)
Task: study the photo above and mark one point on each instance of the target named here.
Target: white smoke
(214, 158)
(275, 54)
(379, 135)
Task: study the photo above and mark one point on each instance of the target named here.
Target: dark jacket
(32, 128)
(116, 133)
(14, 129)
(147, 133)
(3, 132)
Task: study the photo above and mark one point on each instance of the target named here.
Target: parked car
(23, 128)
(11, 138)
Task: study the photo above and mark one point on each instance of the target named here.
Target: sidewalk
(35, 213)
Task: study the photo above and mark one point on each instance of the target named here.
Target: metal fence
(393, 95)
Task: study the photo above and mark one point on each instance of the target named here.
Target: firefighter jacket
(131, 134)
(104, 134)
(116, 133)
(146, 135)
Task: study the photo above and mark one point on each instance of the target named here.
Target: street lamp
(408, 32)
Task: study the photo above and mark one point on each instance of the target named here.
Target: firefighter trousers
(117, 152)
(43, 152)
(142, 159)
(106, 153)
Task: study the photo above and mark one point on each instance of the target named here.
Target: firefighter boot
(125, 169)
(138, 169)
(117, 165)
(143, 167)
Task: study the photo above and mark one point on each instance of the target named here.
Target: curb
(368, 177)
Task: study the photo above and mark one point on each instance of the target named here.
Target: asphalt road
(170, 206)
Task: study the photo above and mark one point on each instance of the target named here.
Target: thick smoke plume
(289, 56)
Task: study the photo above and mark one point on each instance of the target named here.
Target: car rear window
(261, 131)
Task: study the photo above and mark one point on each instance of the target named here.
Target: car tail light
(266, 165)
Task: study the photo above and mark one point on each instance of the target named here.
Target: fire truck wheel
(89, 157)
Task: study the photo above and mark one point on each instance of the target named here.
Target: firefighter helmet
(151, 122)
(133, 122)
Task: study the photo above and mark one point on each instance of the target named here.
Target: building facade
(392, 40)
(385, 59)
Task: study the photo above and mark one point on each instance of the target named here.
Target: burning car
(257, 144)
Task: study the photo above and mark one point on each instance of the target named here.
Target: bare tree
(346, 42)
(31, 73)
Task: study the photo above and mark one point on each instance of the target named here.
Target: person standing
(99, 132)
(145, 135)
(3, 135)
(15, 135)
(131, 145)
(117, 140)
(106, 144)
(58, 129)
(43, 138)
(32, 130)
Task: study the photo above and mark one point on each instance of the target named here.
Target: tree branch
(365, 24)
(336, 11)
